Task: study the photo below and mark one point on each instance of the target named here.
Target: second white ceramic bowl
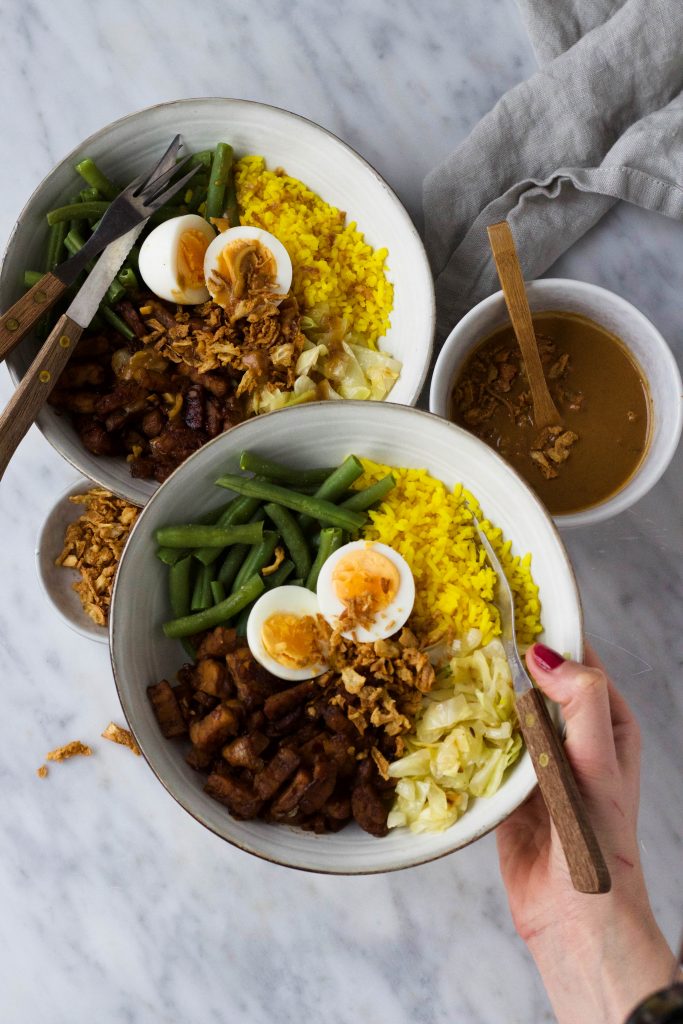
(639, 335)
(307, 151)
(315, 435)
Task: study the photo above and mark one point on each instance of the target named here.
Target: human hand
(597, 955)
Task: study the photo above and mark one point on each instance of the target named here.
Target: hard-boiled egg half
(371, 576)
(172, 257)
(282, 633)
(242, 256)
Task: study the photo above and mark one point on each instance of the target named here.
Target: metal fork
(131, 207)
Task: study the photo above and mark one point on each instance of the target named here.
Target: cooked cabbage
(465, 737)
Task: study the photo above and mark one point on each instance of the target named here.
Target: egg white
(287, 599)
(283, 275)
(158, 260)
(389, 619)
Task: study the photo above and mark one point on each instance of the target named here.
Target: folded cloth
(601, 121)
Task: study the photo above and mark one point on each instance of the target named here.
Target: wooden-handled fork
(556, 781)
(131, 209)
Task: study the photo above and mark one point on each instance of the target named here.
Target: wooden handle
(514, 290)
(20, 318)
(35, 387)
(561, 794)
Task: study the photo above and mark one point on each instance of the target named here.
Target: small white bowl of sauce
(614, 381)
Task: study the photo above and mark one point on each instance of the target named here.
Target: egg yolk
(366, 574)
(192, 246)
(291, 640)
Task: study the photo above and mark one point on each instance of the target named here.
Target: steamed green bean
(77, 211)
(279, 474)
(190, 625)
(193, 535)
(218, 180)
(96, 178)
(330, 541)
(293, 538)
(324, 511)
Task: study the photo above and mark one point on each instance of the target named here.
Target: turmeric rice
(454, 583)
(335, 272)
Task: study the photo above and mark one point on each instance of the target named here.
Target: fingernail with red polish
(546, 657)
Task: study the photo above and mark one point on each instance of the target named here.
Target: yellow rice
(334, 270)
(454, 583)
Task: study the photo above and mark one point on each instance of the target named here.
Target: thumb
(582, 693)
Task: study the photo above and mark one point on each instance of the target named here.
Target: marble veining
(116, 905)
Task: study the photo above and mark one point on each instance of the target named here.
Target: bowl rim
(247, 847)
(639, 484)
(400, 209)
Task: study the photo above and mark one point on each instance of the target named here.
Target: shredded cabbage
(465, 737)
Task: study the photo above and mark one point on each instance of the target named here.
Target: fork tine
(159, 200)
(150, 190)
(167, 161)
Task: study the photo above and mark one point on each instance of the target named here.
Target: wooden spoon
(512, 283)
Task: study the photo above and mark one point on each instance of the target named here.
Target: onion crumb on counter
(93, 544)
(72, 749)
(116, 734)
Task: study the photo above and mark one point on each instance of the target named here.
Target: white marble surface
(115, 904)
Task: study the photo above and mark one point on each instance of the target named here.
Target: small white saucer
(55, 579)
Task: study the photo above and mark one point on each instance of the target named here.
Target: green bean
(281, 574)
(239, 511)
(128, 279)
(201, 595)
(232, 211)
(114, 293)
(279, 474)
(179, 587)
(330, 540)
(87, 195)
(74, 225)
(217, 591)
(324, 511)
(190, 625)
(296, 583)
(167, 213)
(362, 500)
(55, 246)
(220, 171)
(77, 211)
(74, 241)
(258, 556)
(203, 157)
(232, 563)
(117, 323)
(335, 485)
(290, 531)
(171, 556)
(32, 277)
(243, 619)
(96, 178)
(193, 535)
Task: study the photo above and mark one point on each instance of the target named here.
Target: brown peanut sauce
(601, 395)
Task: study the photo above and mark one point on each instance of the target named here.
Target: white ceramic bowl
(57, 582)
(642, 339)
(323, 434)
(307, 151)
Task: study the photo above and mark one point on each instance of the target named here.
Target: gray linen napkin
(601, 121)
